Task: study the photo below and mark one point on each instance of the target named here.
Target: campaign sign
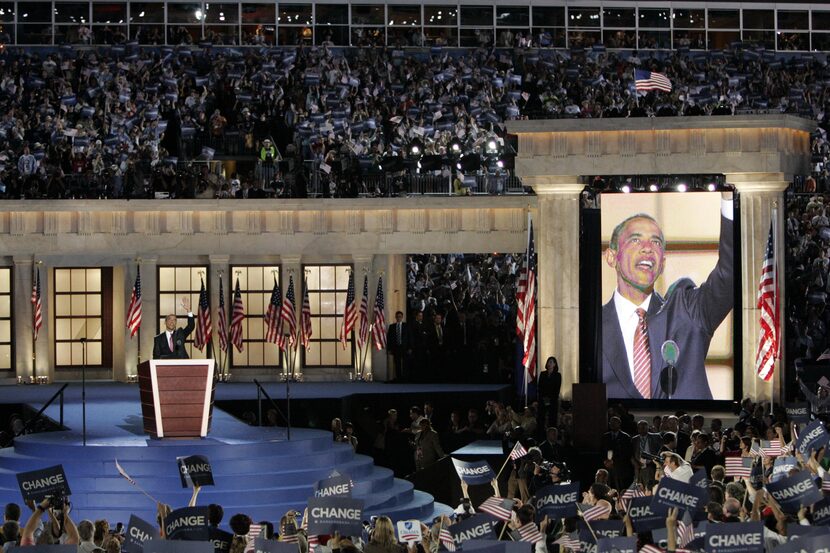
(813, 437)
(674, 493)
(327, 515)
(798, 412)
(736, 537)
(804, 544)
(261, 545)
(509, 546)
(477, 527)
(604, 528)
(643, 517)
(138, 531)
(700, 479)
(621, 544)
(188, 523)
(660, 536)
(798, 531)
(195, 471)
(39, 484)
(587, 543)
(781, 467)
(220, 539)
(409, 531)
(558, 500)
(474, 472)
(821, 512)
(335, 486)
(700, 535)
(795, 492)
(166, 546)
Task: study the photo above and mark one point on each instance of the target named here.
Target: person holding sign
(170, 343)
(382, 539)
(70, 536)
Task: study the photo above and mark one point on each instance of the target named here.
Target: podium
(176, 397)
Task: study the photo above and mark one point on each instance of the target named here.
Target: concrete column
(759, 194)
(363, 266)
(149, 304)
(556, 228)
(22, 308)
(292, 266)
(393, 270)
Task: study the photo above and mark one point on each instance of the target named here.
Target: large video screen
(668, 295)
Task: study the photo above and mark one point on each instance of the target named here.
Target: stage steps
(257, 471)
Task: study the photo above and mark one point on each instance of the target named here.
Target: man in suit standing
(438, 348)
(418, 344)
(644, 443)
(637, 320)
(170, 343)
(616, 445)
(396, 344)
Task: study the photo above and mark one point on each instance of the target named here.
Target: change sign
(477, 527)
(813, 437)
(617, 545)
(642, 515)
(138, 531)
(674, 493)
(335, 486)
(327, 515)
(798, 412)
(166, 546)
(474, 472)
(558, 500)
(604, 528)
(795, 492)
(195, 471)
(39, 484)
(737, 537)
(821, 512)
(220, 539)
(781, 467)
(188, 524)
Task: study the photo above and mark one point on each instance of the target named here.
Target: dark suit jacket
(161, 349)
(392, 338)
(689, 315)
(653, 444)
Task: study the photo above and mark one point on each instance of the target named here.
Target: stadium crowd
(129, 122)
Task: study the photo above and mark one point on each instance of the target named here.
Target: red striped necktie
(642, 356)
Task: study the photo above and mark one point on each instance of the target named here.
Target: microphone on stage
(668, 376)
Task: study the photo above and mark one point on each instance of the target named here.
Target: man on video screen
(637, 321)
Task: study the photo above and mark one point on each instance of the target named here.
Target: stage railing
(260, 391)
(39, 414)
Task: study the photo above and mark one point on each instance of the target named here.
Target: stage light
(455, 146)
(711, 187)
(415, 150)
(500, 164)
(625, 189)
(681, 187)
(652, 188)
(492, 147)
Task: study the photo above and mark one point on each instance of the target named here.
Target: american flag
(37, 306)
(445, 539)
(134, 310)
(204, 325)
(651, 80)
(363, 330)
(349, 313)
(685, 530)
(272, 315)
(288, 318)
(222, 325)
(651, 548)
(825, 483)
(569, 541)
(771, 448)
(313, 542)
(123, 473)
(253, 533)
(498, 507)
(518, 451)
(305, 319)
(768, 304)
(755, 450)
(526, 314)
(290, 535)
(595, 512)
(630, 493)
(237, 317)
(379, 324)
(738, 466)
(530, 533)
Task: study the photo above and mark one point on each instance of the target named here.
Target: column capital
(148, 260)
(22, 261)
(291, 259)
(217, 259)
(545, 185)
(362, 259)
(753, 183)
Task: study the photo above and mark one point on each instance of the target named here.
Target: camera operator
(58, 511)
(548, 473)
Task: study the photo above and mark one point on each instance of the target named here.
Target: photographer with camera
(58, 510)
(548, 473)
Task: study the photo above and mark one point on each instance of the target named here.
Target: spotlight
(652, 188)
(492, 147)
(455, 146)
(711, 187)
(415, 150)
(625, 189)
(500, 164)
(681, 187)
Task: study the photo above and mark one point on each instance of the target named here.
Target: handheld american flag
(272, 315)
(445, 539)
(595, 512)
(498, 507)
(134, 310)
(569, 541)
(222, 325)
(517, 452)
(768, 306)
(349, 313)
(363, 330)
(288, 318)
(237, 317)
(738, 466)
(651, 80)
(305, 319)
(771, 448)
(204, 325)
(530, 533)
(379, 324)
(37, 306)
